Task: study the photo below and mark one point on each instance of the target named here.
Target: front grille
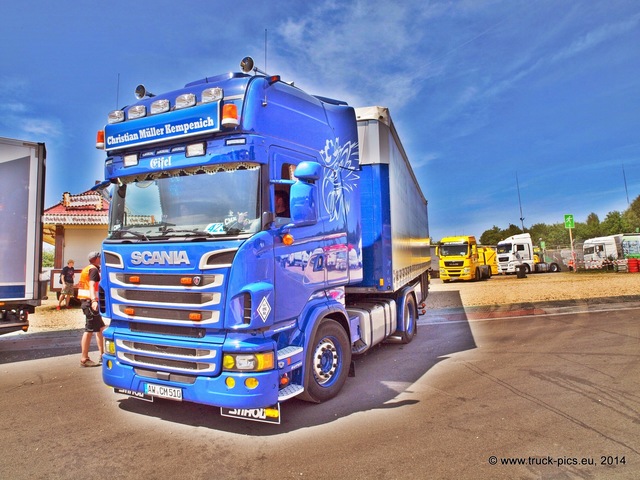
(166, 362)
(167, 280)
(168, 314)
(156, 329)
(174, 298)
(167, 350)
(173, 377)
(454, 263)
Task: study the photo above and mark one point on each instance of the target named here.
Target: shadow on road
(31, 346)
(382, 377)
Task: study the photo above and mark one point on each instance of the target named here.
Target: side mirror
(304, 194)
(308, 171)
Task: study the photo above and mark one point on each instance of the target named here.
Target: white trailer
(22, 173)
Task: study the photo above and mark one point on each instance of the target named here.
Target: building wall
(79, 241)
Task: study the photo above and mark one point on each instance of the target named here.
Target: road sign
(569, 222)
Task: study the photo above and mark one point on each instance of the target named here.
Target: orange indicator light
(129, 310)
(288, 239)
(186, 281)
(230, 115)
(195, 316)
(134, 279)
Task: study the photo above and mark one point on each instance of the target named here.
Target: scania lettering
(259, 237)
(161, 258)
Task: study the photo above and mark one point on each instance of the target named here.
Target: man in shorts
(88, 293)
(66, 278)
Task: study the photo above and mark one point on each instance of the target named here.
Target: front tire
(327, 362)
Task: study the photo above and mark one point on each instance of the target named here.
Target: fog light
(230, 382)
(251, 383)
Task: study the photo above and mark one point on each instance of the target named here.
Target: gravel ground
(534, 288)
(498, 290)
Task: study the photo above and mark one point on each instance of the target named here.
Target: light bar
(116, 116)
(185, 100)
(131, 160)
(214, 94)
(137, 111)
(195, 150)
(159, 106)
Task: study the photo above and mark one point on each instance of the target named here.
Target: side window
(282, 191)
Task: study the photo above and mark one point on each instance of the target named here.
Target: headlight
(248, 362)
(110, 347)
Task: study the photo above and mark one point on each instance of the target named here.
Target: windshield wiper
(122, 232)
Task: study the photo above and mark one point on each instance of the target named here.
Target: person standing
(67, 280)
(88, 293)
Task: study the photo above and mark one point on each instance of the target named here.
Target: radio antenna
(118, 92)
(520, 203)
(265, 51)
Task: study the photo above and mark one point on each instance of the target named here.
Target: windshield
(504, 248)
(201, 201)
(449, 250)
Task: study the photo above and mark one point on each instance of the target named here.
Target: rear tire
(409, 319)
(327, 362)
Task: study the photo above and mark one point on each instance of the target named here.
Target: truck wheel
(527, 268)
(410, 319)
(328, 362)
(554, 267)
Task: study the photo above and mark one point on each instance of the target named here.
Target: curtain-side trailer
(22, 173)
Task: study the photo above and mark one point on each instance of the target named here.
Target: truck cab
(462, 259)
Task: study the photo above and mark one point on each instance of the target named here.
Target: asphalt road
(542, 396)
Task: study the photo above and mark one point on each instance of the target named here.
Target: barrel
(633, 265)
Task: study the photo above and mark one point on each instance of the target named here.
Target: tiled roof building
(76, 226)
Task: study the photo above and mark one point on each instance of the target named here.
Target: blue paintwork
(264, 295)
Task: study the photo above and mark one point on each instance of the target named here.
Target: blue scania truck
(259, 237)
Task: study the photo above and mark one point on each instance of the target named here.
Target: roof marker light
(137, 111)
(116, 116)
(212, 95)
(185, 100)
(230, 116)
(159, 106)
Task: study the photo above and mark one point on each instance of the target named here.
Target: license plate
(163, 391)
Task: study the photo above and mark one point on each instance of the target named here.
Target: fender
(400, 299)
(312, 319)
(316, 313)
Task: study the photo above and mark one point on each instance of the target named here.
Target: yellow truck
(461, 258)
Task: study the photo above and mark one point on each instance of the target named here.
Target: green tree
(491, 236)
(614, 223)
(47, 259)
(556, 235)
(593, 226)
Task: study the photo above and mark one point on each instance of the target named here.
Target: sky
(500, 105)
